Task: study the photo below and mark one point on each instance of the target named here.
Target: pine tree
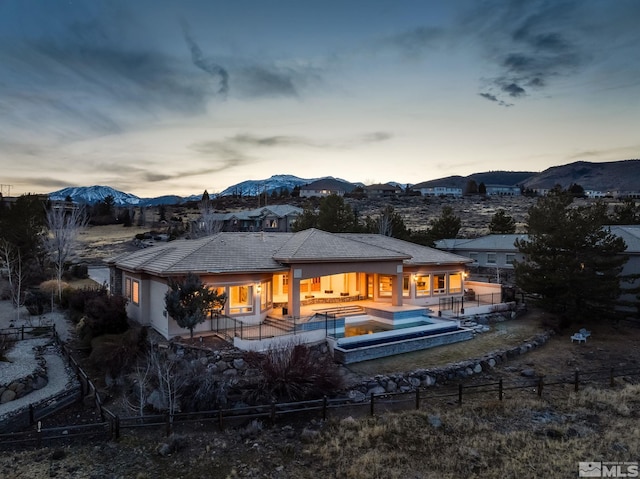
(188, 301)
(446, 225)
(573, 261)
(501, 223)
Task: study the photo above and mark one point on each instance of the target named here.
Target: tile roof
(256, 252)
(484, 243)
(629, 233)
(631, 236)
(219, 253)
(418, 254)
(317, 245)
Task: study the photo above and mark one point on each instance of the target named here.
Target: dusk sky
(158, 97)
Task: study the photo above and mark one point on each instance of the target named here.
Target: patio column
(294, 292)
(396, 289)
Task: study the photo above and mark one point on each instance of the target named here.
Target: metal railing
(229, 328)
(457, 305)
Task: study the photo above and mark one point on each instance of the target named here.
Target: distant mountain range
(621, 175)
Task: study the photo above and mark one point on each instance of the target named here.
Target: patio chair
(584, 332)
(579, 337)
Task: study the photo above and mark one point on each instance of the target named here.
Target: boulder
(7, 395)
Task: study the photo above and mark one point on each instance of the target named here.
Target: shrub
(116, 354)
(37, 302)
(202, 391)
(294, 373)
(76, 300)
(105, 315)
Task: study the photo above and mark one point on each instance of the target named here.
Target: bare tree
(64, 226)
(11, 258)
(170, 378)
(209, 222)
(141, 378)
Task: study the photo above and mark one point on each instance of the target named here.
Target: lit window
(405, 286)
(266, 297)
(132, 290)
(455, 283)
(240, 299)
(385, 285)
(439, 284)
(423, 286)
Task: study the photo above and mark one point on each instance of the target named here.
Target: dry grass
(523, 438)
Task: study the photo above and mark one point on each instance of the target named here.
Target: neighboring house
(382, 190)
(440, 191)
(503, 190)
(595, 194)
(491, 251)
(625, 194)
(260, 272)
(276, 218)
(326, 187)
(631, 236)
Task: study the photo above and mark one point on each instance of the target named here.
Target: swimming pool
(372, 326)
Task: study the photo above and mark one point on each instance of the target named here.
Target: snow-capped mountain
(94, 194)
(256, 187)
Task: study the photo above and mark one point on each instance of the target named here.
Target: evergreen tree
(501, 223)
(627, 213)
(577, 191)
(308, 218)
(189, 300)
(482, 189)
(446, 225)
(572, 261)
(23, 224)
(335, 216)
(471, 188)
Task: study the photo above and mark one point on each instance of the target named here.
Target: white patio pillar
(396, 288)
(294, 292)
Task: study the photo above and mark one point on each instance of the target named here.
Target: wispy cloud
(629, 152)
(217, 72)
(530, 44)
(414, 42)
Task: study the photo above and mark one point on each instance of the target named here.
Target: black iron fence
(229, 328)
(458, 305)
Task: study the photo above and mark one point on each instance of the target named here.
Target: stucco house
(267, 218)
(497, 252)
(266, 273)
(490, 251)
(379, 190)
(326, 187)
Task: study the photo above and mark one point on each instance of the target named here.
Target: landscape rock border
(423, 378)
(230, 364)
(19, 387)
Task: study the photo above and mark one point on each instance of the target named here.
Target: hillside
(509, 178)
(611, 176)
(621, 175)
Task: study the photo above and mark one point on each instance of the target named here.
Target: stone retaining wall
(421, 378)
(21, 387)
(230, 364)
